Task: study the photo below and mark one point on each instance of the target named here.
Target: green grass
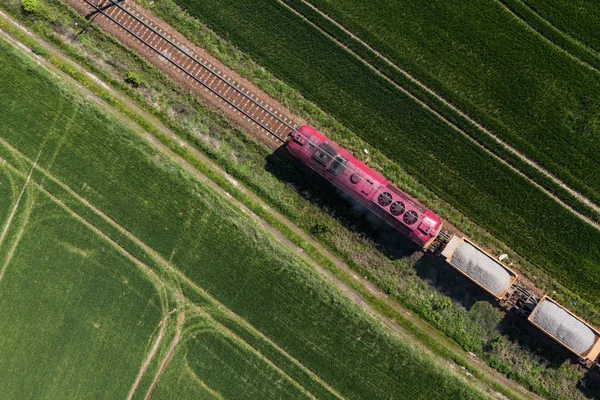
(481, 188)
(477, 55)
(338, 228)
(577, 18)
(369, 56)
(75, 316)
(235, 266)
(9, 184)
(563, 39)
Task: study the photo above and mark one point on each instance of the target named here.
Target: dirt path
(480, 127)
(165, 362)
(150, 356)
(491, 375)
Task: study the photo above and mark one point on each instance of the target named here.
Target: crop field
(466, 51)
(464, 175)
(576, 18)
(126, 275)
(75, 316)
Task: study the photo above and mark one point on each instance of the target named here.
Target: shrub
(39, 50)
(31, 6)
(134, 79)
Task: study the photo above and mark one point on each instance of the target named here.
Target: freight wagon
(478, 266)
(412, 219)
(573, 333)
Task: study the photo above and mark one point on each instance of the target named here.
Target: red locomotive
(364, 185)
(424, 228)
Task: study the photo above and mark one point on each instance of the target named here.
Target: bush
(39, 50)
(31, 6)
(134, 79)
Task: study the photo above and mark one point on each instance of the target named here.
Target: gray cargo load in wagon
(478, 266)
(567, 329)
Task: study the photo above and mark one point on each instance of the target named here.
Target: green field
(75, 316)
(423, 286)
(111, 218)
(479, 56)
(576, 18)
(483, 189)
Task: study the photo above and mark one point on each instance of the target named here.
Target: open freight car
(364, 185)
(566, 328)
(480, 267)
(423, 227)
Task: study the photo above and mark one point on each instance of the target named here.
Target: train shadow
(438, 274)
(336, 203)
(590, 384)
(431, 268)
(521, 332)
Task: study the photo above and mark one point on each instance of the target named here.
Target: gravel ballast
(569, 330)
(483, 269)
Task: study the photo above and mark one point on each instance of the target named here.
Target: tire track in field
(449, 123)
(161, 333)
(30, 202)
(222, 329)
(202, 384)
(148, 272)
(17, 240)
(13, 212)
(165, 361)
(582, 46)
(159, 283)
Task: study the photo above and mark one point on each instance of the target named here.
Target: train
(423, 227)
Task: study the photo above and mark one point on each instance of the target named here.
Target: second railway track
(194, 68)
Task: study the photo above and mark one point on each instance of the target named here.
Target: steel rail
(204, 65)
(101, 11)
(378, 190)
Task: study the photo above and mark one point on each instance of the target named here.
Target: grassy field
(577, 18)
(435, 102)
(207, 255)
(481, 188)
(477, 55)
(424, 286)
(75, 316)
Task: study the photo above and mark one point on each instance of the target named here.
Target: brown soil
(209, 98)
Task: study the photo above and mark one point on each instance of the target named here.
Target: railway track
(193, 67)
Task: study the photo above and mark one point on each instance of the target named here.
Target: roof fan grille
(397, 208)
(410, 217)
(384, 199)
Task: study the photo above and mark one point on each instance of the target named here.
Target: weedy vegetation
(423, 285)
(119, 239)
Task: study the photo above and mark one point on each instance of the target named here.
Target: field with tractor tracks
(533, 100)
(423, 285)
(577, 19)
(123, 276)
